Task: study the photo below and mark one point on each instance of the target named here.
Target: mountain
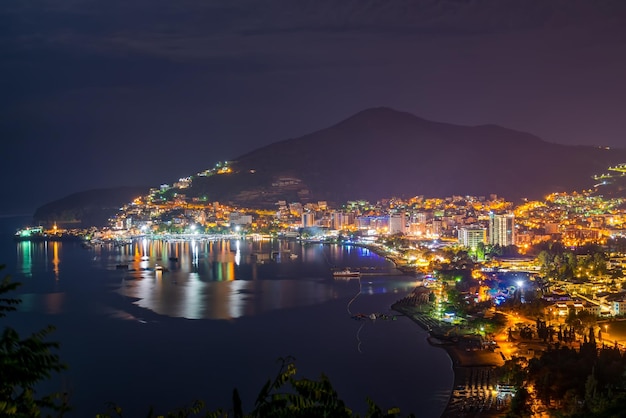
(382, 152)
(378, 153)
(89, 208)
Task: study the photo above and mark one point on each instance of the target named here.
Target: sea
(164, 323)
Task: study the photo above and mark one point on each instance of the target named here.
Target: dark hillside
(382, 152)
(89, 208)
(374, 154)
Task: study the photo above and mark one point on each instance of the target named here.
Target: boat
(346, 273)
(293, 256)
(159, 267)
(121, 266)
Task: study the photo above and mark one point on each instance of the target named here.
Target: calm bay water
(219, 318)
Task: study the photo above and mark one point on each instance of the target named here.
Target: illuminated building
(308, 219)
(341, 220)
(420, 217)
(619, 307)
(417, 229)
(471, 236)
(397, 223)
(436, 227)
(551, 228)
(338, 220)
(296, 209)
(237, 218)
(376, 223)
(502, 229)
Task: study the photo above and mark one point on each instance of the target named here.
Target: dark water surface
(219, 318)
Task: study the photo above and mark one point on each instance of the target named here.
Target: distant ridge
(88, 208)
(382, 152)
(378, 153)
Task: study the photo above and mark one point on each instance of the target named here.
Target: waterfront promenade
(474, 390)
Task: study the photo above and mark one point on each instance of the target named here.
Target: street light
(520, 287)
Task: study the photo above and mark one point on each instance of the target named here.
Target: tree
(495, 250)
(480, 251)
(599, 266)
(592, 338)
(24, 363)
(519, 404)
(284, 396)
(512, 372)
(545, 260)
(307, 397)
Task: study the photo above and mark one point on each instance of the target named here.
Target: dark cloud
(100, 94)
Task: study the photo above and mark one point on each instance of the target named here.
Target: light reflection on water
(219, 279)
(47, 303)
(235, 278)
(260, 301)
(32, 256)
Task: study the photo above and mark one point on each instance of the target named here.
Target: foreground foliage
(284, 396)
(590, 382)
(24, 362)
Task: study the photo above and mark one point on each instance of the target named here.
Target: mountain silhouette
(374, 154)
(380, 152)
(89, 208)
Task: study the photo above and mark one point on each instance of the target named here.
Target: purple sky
(108, 93)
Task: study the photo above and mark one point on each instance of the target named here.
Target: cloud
(196, 29)
(249, 72)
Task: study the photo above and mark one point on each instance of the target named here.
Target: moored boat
(346, 273)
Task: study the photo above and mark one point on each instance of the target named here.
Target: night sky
(141, 92)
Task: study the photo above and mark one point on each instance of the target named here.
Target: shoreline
(467, 362)
(394, 260)
(464, 362)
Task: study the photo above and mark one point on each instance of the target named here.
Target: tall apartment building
(342, 220)
(501, 229)
(308, 219)
(471, 236)
(397, 223)
(436, 227)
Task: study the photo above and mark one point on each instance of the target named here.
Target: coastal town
(503, 285)
(345, 209)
